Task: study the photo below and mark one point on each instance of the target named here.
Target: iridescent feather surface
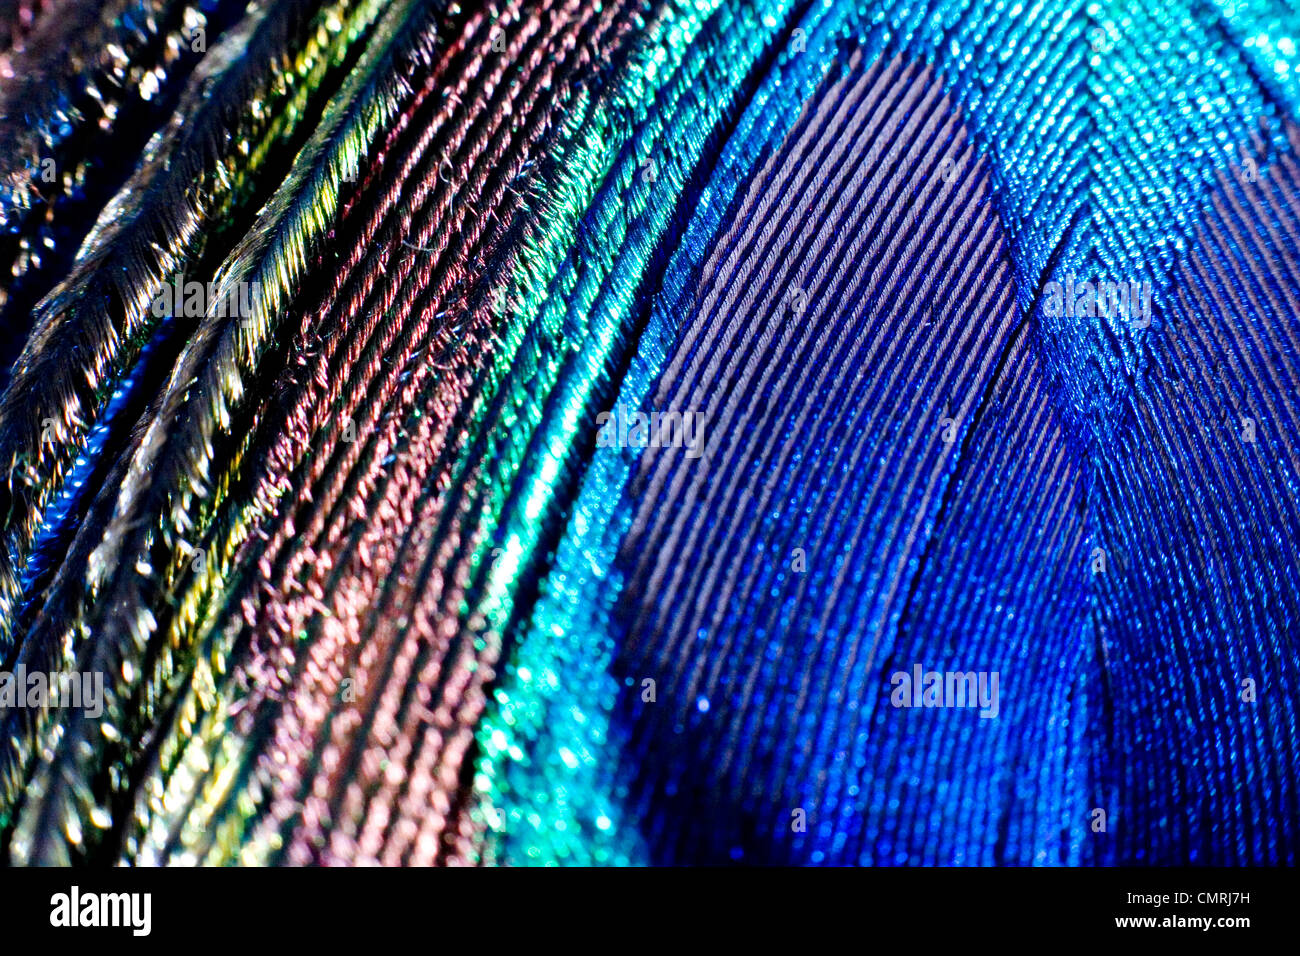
(538, 432)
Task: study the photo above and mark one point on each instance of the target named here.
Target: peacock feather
(538, 432)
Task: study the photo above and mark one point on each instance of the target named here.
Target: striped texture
(366, 587)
